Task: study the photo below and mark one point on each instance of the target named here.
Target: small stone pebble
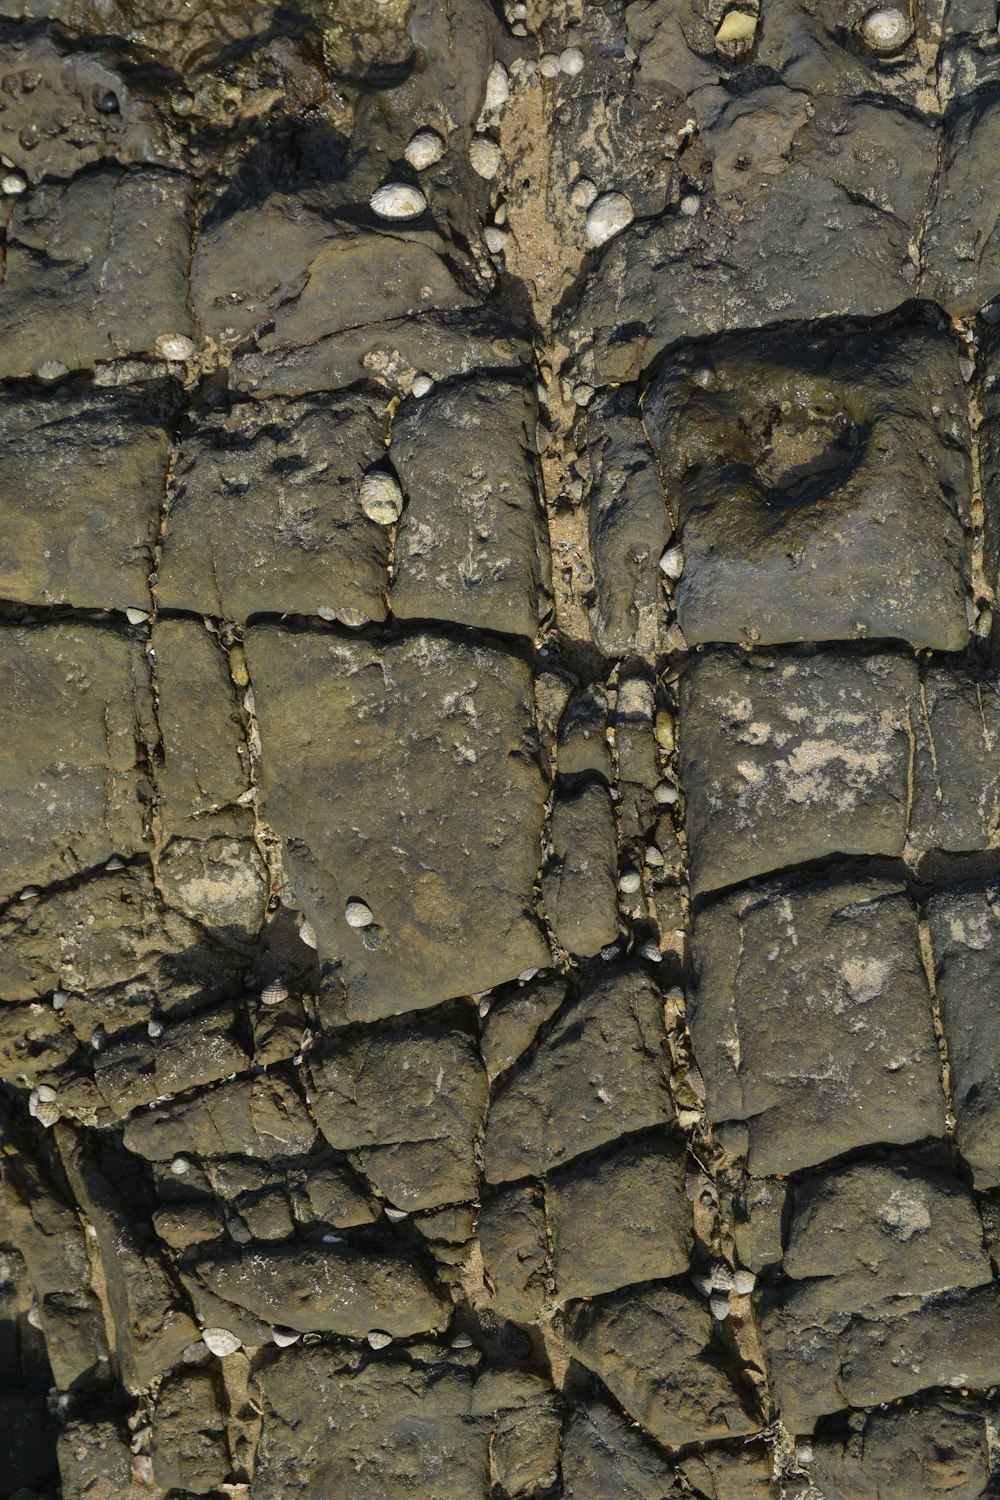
(608, 216)
(424, 149)
(484, 156)
(381, 497)
(154, 1029)
(379, 1339)
(220, 1341)
(736, 26)
(398, 200)
(51, 371)
(358, 914)
(525, 975)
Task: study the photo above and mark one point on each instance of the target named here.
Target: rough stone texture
(94, 1461)
(78, 720)
(963, 929)
(70, 291)
(86, 535)
(257, 1117)
(189, 1434)
(265, 516)
(578, 885)
(603, 1455)
(811, 1020)
(408, 1107)
(932, 1450)
(470, 545)
(138, 1068)
(655, 1352)
(596, 1074)
(447, 731)
(956, 806)
(785, 760)
(820, 488)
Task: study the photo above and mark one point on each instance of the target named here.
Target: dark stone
(94, 1461)
(595, 1075)
(820, 486)
(265, 515)
(603, 1455)
(579, 883)
(785, 760)
(408, 1105)
(811, 1020)
(137, 1069)
(78, 718)
(513, 1239)
(937, 1449)
(259, 1117)
(405, 775)
(956, 805)
(515, 1019)
(471, 545)
(654, 1349)
(188, 1443)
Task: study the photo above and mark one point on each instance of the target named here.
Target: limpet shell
(609, 215)
(398, 200)
(381, 497)
(424, 149)
(484, 156)
(885, 29)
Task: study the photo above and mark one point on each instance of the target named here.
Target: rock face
(499, 750)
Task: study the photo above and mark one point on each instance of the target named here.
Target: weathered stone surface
(881, 1258)
(189, 1448)
(265, 516)
(49, 1236)
(70, 291)
(85, 535)
(326, 1289)
(936, 1449)
(619, 1219)
(151, 1324)
(811, 1020)
(655, 1351)
(603, 1455)
(78, 718)
(201, 1049)
(742, 1473)
(595, 1075)
(956, 805)
(403, 1429)
(512, 1023)
(471, 545)
(205, 760)
(964, 929)
(258, 1117)
(583, 736)
(963, 263)
(785, 760)
(94, 1461)
(513, 1238)
(820, 486)
(579, 882)
(629, 524)
(405, 775)
(409, 1106)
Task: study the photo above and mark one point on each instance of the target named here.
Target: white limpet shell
(497, 88)
(424, 149)
(885, 29)
(137, 616)
(484, 156)
(285, 1337)
(180, 1166)
(689, 205)
(549, 65)
(584, 192)
(629, 881)
(381, 497)
(221, 1341)
(398, 200)
(13, 183)
(379, 1339)
(394, 1215)
(744, 1283)
(307, 933)
(609, 215)
(358, 914)
(672, 563)
(175, 346)
(571, 61)
(274, 993)
(719, 1303)
(496, 239)
(422, 385)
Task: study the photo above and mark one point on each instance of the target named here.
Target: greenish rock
(408, 1105)
(579, 886)
(405, 775)
(820, 485)
(86, 536)
(325, 1289)
(619, 1219)
(265, 515)
(471, 545)
(655, 1350)
(70, 292)
(77, 723)
(811, 1021)
(597, 1074)
(788, 759)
